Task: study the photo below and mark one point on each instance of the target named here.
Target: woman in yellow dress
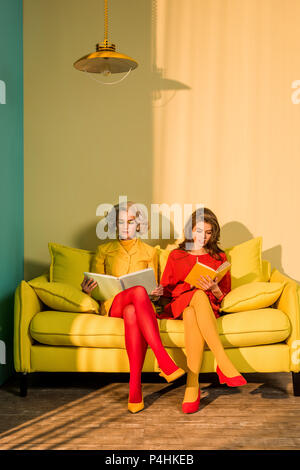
(124, 255)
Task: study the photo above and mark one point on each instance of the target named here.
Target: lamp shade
(105, 61)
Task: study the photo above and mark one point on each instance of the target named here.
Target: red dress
(178, 266)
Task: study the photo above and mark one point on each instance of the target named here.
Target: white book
(108, 286)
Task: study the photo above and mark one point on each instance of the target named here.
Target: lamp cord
(105, 21)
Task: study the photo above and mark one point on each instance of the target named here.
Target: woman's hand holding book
(157, 293)
(207, 283)
(88, 285)
(159, 290)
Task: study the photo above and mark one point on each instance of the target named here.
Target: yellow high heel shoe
(174, 376)
(136, 407)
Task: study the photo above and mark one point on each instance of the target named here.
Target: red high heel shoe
(236, 381)
(192, 406)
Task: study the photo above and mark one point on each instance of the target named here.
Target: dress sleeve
(97, 265)
(224, 284)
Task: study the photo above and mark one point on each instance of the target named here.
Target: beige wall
(207, 117)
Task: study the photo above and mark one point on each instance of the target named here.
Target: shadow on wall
(33, 269)
(232, 233)
(235, 233)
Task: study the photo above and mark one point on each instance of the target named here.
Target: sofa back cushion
(246, 262)
(266, 270)
(68, 264)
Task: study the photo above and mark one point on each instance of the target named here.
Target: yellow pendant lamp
(105, 60)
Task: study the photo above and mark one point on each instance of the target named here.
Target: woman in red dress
(198, 307)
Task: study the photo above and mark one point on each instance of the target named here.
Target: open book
(200, 269)
(108, 286)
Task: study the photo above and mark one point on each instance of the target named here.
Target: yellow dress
(128, 244)
(118, 257)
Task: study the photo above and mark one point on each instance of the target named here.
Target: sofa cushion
(266, 268)
(64, 297)
(74, 329)
(68, 264)
(246, 262)
(251, 328)
(252, 296)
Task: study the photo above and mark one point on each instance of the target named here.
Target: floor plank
(89, 412)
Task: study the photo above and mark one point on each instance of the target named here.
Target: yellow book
(200, 269)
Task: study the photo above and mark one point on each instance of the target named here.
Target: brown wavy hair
(210, 218)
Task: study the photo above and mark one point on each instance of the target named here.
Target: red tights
(141, 329)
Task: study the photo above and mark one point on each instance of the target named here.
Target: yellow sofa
(256, 339)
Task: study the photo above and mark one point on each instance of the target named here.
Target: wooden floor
(89, 412)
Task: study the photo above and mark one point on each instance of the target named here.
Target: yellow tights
(200, 326)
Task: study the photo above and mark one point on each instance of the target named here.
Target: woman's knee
(188, 314)
(139, 290)
(136, 292)
(129, 313)
(199, 295)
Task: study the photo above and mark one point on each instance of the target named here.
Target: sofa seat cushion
(77, 329)
(241, 329)
(250, 328)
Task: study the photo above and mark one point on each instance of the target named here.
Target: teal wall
(11, 173)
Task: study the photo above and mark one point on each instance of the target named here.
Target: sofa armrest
(289, 303)
(26, 305)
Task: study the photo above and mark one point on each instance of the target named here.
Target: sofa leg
(296, 383)
(23, 384)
